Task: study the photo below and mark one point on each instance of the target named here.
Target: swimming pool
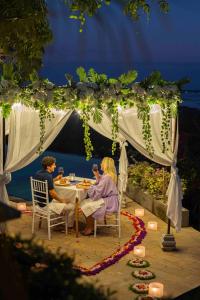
(20, 184)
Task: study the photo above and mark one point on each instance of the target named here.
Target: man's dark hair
(48, 161)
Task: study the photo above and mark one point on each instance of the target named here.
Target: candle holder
(156, 289)
(152, 225)
(21, 206)
(139, 212)
(139, 251)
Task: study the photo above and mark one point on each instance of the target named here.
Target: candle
(139, 251)
(152, 225)
(21, 206)
(139, 212)
(156, 289)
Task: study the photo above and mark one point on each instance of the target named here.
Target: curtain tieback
(123, 143)
(5, 178)
(174, 169)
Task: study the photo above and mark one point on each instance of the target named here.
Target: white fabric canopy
(24, 138)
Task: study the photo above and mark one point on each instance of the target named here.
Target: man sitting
(56, 204)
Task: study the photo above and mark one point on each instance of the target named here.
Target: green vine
(165, 127)
(6, 109)
(115, 128)
(79, 9)
(93, 94)
(87, 141)
(44, 114)
(144, 115)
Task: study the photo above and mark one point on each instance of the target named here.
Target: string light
(17, 106)
(119, 108)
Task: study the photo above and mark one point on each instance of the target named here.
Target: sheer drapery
(131, 128)
(105, 128)
(123, 167)
(24, 138)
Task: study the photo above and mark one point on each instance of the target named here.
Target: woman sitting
(103, 197)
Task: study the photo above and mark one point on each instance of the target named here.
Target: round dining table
(74, 193)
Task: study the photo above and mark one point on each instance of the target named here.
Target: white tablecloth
(71, 191)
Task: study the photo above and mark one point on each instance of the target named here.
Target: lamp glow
(21, 206)
(119, 108)
(139, 251)
(139, 212)
(156, 289)
(17, 106)
(152, 225)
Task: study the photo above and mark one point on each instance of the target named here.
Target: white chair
(117, 219)
(40, 195)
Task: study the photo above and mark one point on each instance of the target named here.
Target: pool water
(20, 184)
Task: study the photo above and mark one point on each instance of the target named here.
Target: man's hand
(57, 177)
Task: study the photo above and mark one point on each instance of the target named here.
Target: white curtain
(131, 128)
(105, 128)
(24, 138)
(123, 167)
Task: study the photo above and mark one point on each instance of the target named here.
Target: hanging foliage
(80, 10)
(93, 94)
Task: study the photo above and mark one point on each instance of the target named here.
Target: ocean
(191, 98)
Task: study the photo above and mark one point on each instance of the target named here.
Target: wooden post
(168, 226)
(163, 169)
(76, 215)
(168, 222)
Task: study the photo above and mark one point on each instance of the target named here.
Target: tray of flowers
(143, 274)
(138, 263)
(139, 288)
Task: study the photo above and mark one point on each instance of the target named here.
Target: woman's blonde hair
(108, 167)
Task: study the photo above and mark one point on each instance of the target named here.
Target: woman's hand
(96, 174)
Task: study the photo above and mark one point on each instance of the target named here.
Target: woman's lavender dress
(107, 190)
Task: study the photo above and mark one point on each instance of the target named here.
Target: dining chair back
(41, 209)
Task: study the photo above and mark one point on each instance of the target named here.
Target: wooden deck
(179, 271)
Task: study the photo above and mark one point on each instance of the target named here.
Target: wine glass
(61, 171)
(94, 167)
(71, 176)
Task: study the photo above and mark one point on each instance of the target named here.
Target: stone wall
(157, 207)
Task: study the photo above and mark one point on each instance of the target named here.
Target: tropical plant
(24, 31)
(152, 178)
(41, 274)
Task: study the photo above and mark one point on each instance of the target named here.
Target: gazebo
(143, 115)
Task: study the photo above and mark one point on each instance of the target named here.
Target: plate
(80, 185)
(61, 184)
